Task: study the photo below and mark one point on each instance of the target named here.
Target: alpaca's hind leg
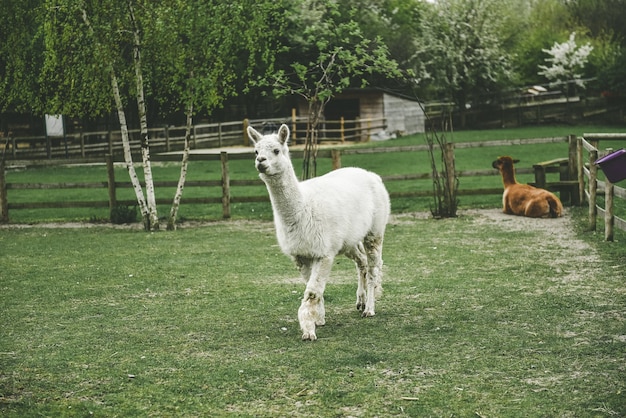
(359, 257)
(311, 311)
(374, 251)
(537, 209)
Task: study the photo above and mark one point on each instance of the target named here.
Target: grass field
(482, 315)
(384, 164)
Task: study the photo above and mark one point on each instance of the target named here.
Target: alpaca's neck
(285, 194)
(508, 178)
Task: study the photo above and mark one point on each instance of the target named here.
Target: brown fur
(522, 199)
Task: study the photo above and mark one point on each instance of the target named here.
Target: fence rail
(590, 143)
(226, 184)
(171, 138)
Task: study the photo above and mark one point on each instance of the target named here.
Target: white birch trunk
(128, 158)
(171, 222)
(153, 218)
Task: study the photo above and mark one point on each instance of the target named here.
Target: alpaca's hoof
(367, 314)
(309, 336)
(360, 306)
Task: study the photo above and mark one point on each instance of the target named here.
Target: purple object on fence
(614, 165)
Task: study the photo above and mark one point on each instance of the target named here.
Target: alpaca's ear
(254, 135)
(283, 133)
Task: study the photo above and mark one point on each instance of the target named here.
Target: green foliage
(21, 55)
(397, 22)
(326, 52)
(462, 50)
(210, 51)
(207, 51)
(545, 23)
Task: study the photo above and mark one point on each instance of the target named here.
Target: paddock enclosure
(230, 185)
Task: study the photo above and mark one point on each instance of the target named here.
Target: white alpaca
(342, 212)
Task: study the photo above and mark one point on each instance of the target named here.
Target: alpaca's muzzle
(260, 164)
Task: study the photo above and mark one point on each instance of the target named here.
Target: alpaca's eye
(276, 151)
(256, 152)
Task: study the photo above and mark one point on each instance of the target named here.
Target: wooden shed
(401, 115)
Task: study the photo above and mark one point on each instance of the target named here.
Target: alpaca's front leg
(311, 311)
(305, 265)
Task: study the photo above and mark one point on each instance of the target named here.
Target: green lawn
(482, 315)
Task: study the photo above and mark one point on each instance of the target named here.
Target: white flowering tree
(566, 62)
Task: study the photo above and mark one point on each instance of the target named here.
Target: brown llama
(523, 199)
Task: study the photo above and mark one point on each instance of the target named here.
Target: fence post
(581, 170)
(246, 140)
(110, 140)
(450, 176)
(293, 125)
(336, 157)
(166, 130)
(609, 218)
(342, 127)
(111, 184)
(225, 185)
(82, 144)
(219, 134)
(593, 189)
(572, 168)
(48, 146)
(4, 203)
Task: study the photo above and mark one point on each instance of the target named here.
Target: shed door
(349, 109)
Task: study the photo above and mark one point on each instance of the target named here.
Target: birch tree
(152, 217)
(194, 53)
(208, 51)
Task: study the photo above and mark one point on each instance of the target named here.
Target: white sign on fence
(54, 125)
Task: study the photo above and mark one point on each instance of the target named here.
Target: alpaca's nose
(261, 158)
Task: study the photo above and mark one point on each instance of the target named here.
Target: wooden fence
(590, 143)
(226, 184)
(170, 138)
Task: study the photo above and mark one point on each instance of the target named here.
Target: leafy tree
(462, 52)
(398, 23)
(129, 50)
(603, 21)
(543, 23)
(325, 52)
(204, 61)
(21, 54)
(600, 16)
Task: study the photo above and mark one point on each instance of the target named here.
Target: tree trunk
(128, 158)
(309, 160)
(153, 218)
(171, 222)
